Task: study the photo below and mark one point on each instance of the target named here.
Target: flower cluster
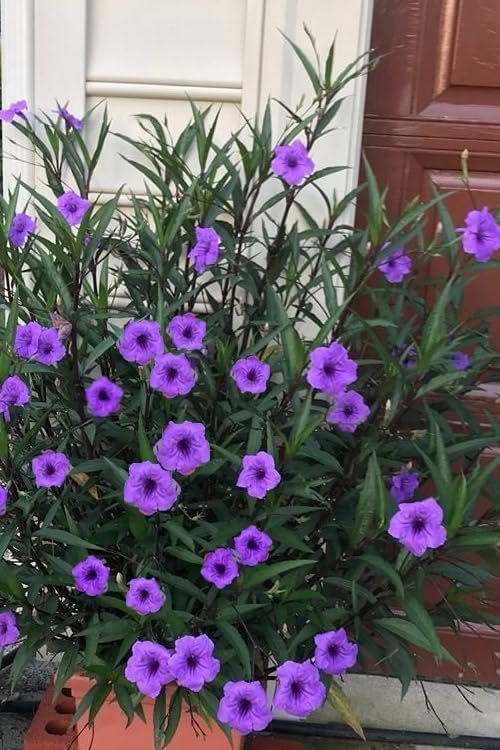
(40, 343)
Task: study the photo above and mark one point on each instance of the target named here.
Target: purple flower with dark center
(187, 332)
(70, 120)
(145, 596)
(244, 708)
(13, 392)
(150, 488)
(251, 375)
(300, 690)
(334, 652)
(141, 341)
(21, 226)
(348, 411)
(419, 526)
(149, 667)
(183, 447)
(16, 108)
(192, 663)
(9, 632)
(258, 475)
(103, 397)
(91, 576)
(396, 266)
(26, 342)
(50, 349)
(331, 369)
(205, 252)
(459, 361)
(219, 567)
(252, 546)
(481, 235)
(72, 207)
(4, 496)
(292, 162)
(172, 375)
(404, 485)
(50, 469)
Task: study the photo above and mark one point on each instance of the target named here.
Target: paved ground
(30, 687)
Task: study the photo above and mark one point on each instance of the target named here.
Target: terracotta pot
(50, 727)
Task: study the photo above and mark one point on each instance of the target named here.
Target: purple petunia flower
(252, 546)
(103, 397)
(16, 108)
(331, 369)
(419, 526)
(4, 496)
(71, 120)
(13, 392)
(150, 488)
(187, 332)
(192, 663)
(251, 375)
(396, 266)
(404, 484)
(50, 469)
(459, 361)
(258, 475)
(50, 349)
(183, 447)
(72, 207)
(334, 652)
(26, 341)
(481, 235)
(172, 375)
(243, 707)
(219, 567)
(9, 632)
(149, 667)
(91, 576)
(292, 162)
(141, 341)
(300, 690)
(205, 252)
(145, 596)
(21, 226)
(348, 411)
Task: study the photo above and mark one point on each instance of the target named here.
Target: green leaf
(159, 718)
(67, 666)
(308, 66)
(64, 537)
(419, 616)
(146, 452)
(262, 573)
(241, 649)
(386, 569)
(340, 703)
(370, 509)
(174, 716)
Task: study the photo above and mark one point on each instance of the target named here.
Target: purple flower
(348, 411)
(183, 447)
(150, 488)
(9, 632)
(4, 496)
(334, 652)
(21, 225)
(50, 349)
(149, 667)
(331, 369)
(459, 361)
(72, 207)
(187, 332)
(258, 475)
(244, 707)
(300, 690)
(16, 108)
(192, 663)
(145, 596)
(50, 469)
(396, 266)
(419, 526)
(70, 120)
(252, 546)
(205, 252)
(219, 567)
(13, 392)
(251, 375)
(91, 576)
(141, 341)
(292, 162)
(27, 337)
(103, 397)
(481, 235)
(407, 355)
(172, 375)
(404, 484)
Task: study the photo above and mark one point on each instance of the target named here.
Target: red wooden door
(435, 92)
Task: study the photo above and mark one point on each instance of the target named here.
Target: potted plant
(212, 462)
